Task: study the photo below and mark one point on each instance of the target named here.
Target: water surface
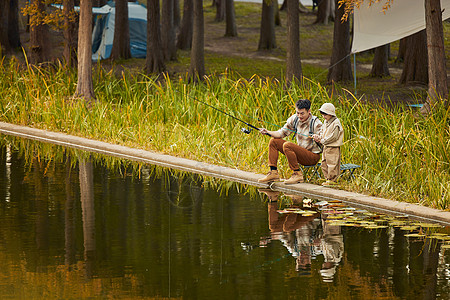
(74, 226)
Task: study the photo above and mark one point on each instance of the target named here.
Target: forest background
(403, 156)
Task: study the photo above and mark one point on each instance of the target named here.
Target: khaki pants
(331, 162)
(293, 152)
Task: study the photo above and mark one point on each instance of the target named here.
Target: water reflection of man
(293, 230)
(332, 248)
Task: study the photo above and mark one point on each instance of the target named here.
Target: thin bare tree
(168, 27)
(121, 43)
(325, 12)
(184, 39)
(39, 39)
(230, 27)
(4, 14)
(69, 31)
(267, 29)
(85, 86)
(340, 66)
(197, 66)
(155, 57)
(437, 72)
(380, 66)
(293, 63)
(415, 66)
(13, 24)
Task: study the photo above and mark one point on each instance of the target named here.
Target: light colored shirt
(303, 137)
(332, 133)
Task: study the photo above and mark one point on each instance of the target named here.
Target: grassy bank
(402, 157)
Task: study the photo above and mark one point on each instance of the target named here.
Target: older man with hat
(331, 136)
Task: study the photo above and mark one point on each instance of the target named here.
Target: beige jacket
(332, 133)
(303, 138)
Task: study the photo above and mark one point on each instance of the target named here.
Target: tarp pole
(354, 69)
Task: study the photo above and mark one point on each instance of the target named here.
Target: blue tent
(103, 32)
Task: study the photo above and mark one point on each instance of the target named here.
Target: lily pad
(427, 225)
(375, 227)
(409, 228)
(335, 217)
(334, 201)
(415, 235)
(307, 215)
(439, 237)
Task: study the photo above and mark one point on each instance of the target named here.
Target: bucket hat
(328, 109)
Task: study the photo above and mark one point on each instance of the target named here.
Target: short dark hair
(303, 103)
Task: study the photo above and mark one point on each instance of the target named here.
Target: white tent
(103, 32)
(373, 27)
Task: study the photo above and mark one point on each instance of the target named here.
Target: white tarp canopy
(373, 27)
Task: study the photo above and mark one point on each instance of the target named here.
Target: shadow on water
(80, 225)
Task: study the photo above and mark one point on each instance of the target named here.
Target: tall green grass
(402, 156)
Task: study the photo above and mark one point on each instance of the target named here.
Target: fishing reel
(246, 130)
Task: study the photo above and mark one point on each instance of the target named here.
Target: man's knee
(276, 144)
(272, 142)
(288, 146)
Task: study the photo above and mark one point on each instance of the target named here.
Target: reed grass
(403, 157)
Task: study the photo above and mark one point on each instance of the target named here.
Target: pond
(75, 225)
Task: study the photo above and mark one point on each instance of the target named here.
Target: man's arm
(274, 134)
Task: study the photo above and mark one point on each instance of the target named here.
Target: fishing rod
(244, 130)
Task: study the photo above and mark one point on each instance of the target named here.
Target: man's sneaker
(271, 176)
(329, 183)
(297, 177)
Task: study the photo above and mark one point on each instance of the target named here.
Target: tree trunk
(437, 72)
(341, 68)
(13, 24)
(39, 45)
(69, 218)
(121, 43)
(85, 87)
(176, 13)
(99, 3)
(220, 10)
(415, 68)
(41, 206)
(380, 62)
(293, 63)
(70, 43)
(184, 40)
(401, 51)
(277, 14)
(231, 29)
(431, 256)
(155, 57)
(267, 31)
(302, 9)
(197, 66)
(168, 28)
(86, 177)
(4, 15)
(326, 11)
